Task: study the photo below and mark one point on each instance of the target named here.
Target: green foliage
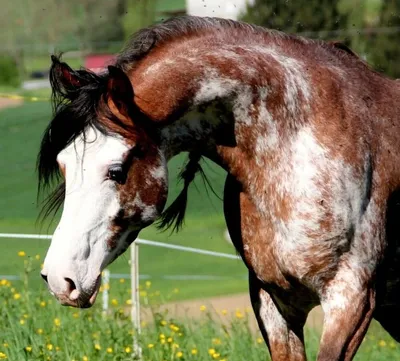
(383, 49)
(296, 16)
(9, 74)
(139, 14)
(101, 23)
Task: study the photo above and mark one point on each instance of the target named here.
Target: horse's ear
(120, 92)
(64, 75)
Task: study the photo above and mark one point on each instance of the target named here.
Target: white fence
(135, 311)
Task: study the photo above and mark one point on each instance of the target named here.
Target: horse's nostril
(72, 292)
(44, 277)
(71, 284)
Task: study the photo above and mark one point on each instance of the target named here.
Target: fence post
(106, 286)
(135, 311)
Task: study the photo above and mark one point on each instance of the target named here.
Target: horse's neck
(221, 101)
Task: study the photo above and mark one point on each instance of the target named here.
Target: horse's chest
(295, 220)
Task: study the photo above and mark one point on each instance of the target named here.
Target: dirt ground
(7, 103)
(241, 303)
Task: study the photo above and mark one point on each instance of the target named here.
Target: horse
(309, 136)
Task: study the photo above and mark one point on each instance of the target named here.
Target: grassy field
(35, 327)
(21, 129)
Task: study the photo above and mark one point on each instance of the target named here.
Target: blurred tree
(382, 48)
(319, 17)
(138, 14)
(101, 22)
(30, 26)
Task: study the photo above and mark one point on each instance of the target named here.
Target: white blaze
(79, 246)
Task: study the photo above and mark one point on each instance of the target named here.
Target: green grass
(21, 130)
(35, 327)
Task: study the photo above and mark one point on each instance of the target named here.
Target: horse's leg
(348, 305)
(283, 332)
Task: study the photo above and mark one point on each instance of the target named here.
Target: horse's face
(115, 185)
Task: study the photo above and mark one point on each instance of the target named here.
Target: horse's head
(114, 177)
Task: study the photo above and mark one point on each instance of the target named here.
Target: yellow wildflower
(28, 348)
(174, 328)
(148, 284)
(162, 336)
(392, 344)
(150, 345)
(25, 315)
(12, 290)
(142, 293)
(39, 331)
(43, 304)
(216, 341)
(203, 308)
(17, 296)
(216, 356)
(3, 282)
(122, 280)
(57, 322)
(97, 347)
(128, 302)
(174, 346)
(128, 349)
(239, 314)
(179, 354)
(211, 351)
(109, 350)
(162, 341)
(5, 344)
(37, 257)
(21, 254)
(194, 351)
(3, 356)
(259, 340)
(382, 343)
(21, 321)
(75, 315)
(114, 302)
(49, 346)
(169, 339)
(163, 323)
(85, 358)
(224, 312)
(57, 348)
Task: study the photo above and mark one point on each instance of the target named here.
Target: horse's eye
(117, 174)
